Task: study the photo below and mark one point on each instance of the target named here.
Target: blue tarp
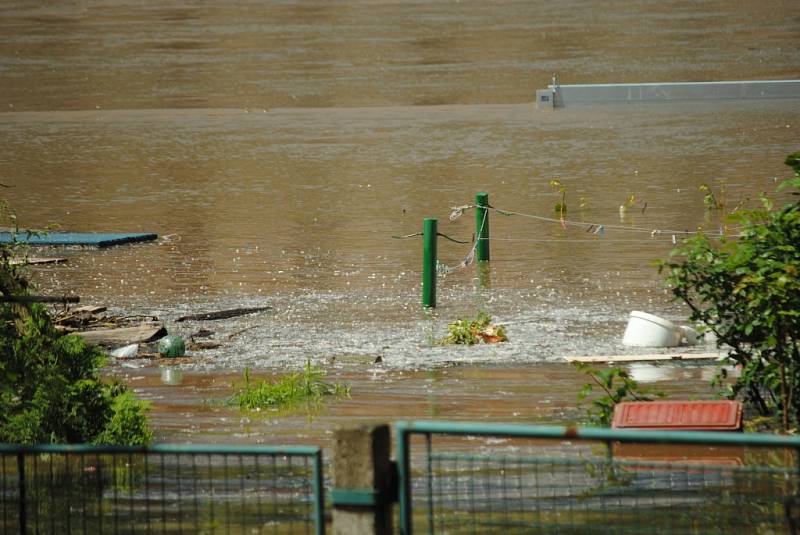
(97, 239)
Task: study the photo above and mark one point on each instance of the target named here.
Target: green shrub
(746, 291)
(614, 386)
(50, 384)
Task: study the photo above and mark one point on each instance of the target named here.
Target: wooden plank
(33, 261)
(89, 309)
(40, 299)
(224, 314)
(643, 358)
(124, 335)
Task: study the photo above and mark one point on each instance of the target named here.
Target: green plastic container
(172, 346)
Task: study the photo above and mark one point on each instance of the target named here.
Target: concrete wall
(755, 89)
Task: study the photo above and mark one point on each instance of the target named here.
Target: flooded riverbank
(297, 211)
(191, 407)
(277, 149)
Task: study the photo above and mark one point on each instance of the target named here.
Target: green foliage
(470, 331)
(615, 386)
(128, 422)
(747, 291)
(711, 200)
(306, 386)
(50, 386)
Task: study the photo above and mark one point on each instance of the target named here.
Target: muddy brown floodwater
(277, 147)
(190, 406)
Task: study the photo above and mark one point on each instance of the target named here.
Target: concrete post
(362, 470)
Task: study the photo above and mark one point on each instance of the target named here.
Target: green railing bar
(359, 497)
(289, 451)
(601, 434)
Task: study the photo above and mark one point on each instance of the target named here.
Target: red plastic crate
(679, 415)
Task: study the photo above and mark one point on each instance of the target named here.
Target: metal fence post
(23, 514)
(318, 485)
(429, 237)
(404, 478)
(363, 494)
(482, 226)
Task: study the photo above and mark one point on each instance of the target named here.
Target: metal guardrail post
(363, 494)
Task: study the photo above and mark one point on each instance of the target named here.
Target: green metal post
(429, 231)
(318, 485)
(403, 453)
(23, 512)
(482, 227)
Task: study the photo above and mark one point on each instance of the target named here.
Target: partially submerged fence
(161, 489)
(452, 478)
(473, 478)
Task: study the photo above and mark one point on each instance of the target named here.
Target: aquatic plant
(561, 206)
(623, 208)
(306, 386)
(747, 292)
(470, 331)
(615, 386)
(710, 200)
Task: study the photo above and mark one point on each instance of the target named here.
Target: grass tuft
(306, 386)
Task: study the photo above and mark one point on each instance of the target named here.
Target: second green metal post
(429, 231)
(482, 227)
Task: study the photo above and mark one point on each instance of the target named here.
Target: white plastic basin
(647, 330)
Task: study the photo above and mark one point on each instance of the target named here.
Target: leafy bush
(292, 389)
(50, 385)
(472, 331)
(615, 386)
(746, 291)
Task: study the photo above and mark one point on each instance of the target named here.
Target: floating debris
(223, 314)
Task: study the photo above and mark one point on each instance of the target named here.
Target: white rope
(595, 228)
(651, 231)
(567, 240)
(443, 269)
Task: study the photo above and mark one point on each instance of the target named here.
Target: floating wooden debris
(36, 261)
(124, 335)
(643, 358)
(200, 346)
(39, 299)
(202, 333)
(224, 314)
(89, 309)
